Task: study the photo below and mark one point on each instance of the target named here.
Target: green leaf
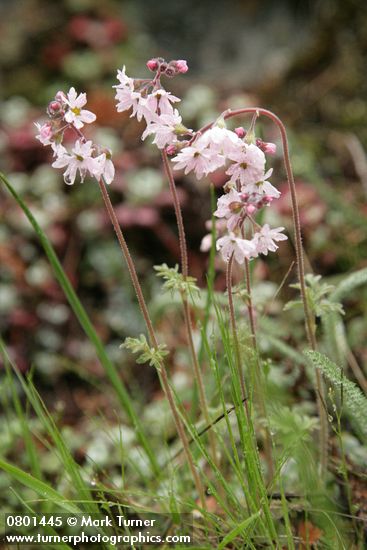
(176, 282)
(355, 401)
(87, 326)
(41, 488)
(238, 530)
(350, 283)
(146, 354)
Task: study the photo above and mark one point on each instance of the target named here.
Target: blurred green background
(304, 60)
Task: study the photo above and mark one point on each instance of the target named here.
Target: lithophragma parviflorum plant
(239, 234)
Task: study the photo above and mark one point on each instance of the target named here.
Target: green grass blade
(40, 487)
(87, 326)
(238, 530)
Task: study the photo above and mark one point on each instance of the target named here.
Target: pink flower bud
(55, 109)
(244, 196)
(267, 199)
(152, 64)
(240, 131)
(266, 147)
(269, 148)
(171, 150)
(181, 66)
(250, 209)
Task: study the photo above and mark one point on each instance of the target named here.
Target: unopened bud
(153, 64)
(250, 209)
(170, 70)
(240, 131)
(171, 150)
(266, 147)
(267, 199)
(181, 66)
(55, 109)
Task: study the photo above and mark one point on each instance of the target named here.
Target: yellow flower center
(76, 110)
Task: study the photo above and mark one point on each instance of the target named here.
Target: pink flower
(164, 128)
(181, 66)
(249, 164)
(81, 160)
(264, 187)
(125, 81)
(196, 157)
(159, 100)
(265, 239)
(127, 99)
(222, 141)
(230, 206)
(45, 133)
(240, 248)
(107, 168)
(75, 114)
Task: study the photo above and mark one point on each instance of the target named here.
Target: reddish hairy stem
(234, 331)
(320, 391)
(186, 306)
(153, 340)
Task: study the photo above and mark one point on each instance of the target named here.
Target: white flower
(106, 166)
(127, 99)
(164, 128)
(125, 81)
(249, 164)
(196, 157)
(263, 187)
(75, 114)
(206, 243)
(81, 159)
(240, 248)
(265, 239)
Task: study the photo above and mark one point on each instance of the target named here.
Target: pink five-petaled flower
(45, 133)
(265, 239)
(249, 164)
(158, 103)
(240, 248)
(81, 159)
(165, 129)
(76, 115)
(264, 187)
(196, 157)
(222, 140)
(230, 206)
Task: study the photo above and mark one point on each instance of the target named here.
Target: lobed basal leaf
(176, 282)
(146, 354)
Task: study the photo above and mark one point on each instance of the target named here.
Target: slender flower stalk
(258, 374)
(153, 339)
(235, 333)
(185, 302)
(320, 390)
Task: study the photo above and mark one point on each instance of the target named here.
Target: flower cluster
(148, 100)
(66, 111)
(238, 152)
